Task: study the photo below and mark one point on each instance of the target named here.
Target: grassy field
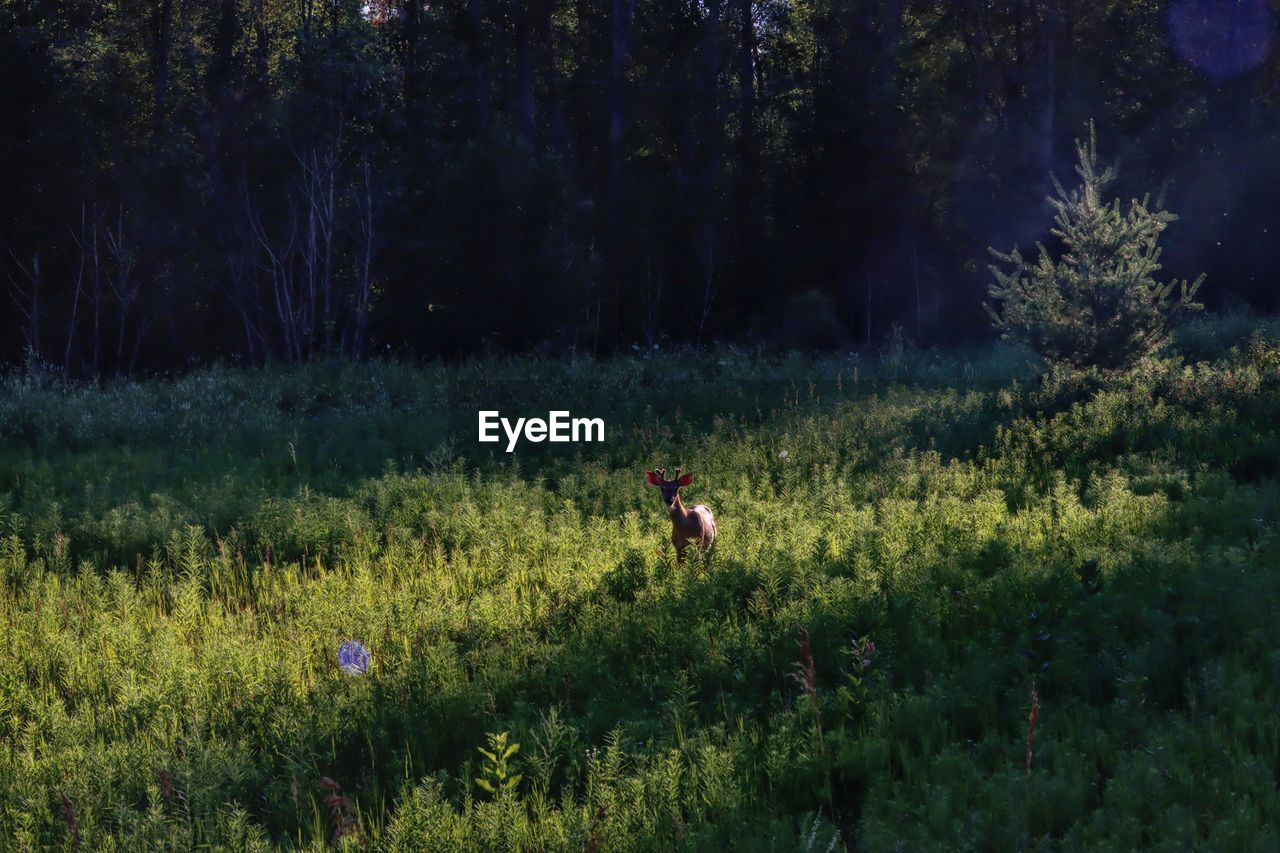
(921, 556)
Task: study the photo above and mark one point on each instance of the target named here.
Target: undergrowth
(908, 547)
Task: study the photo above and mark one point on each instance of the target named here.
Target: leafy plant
(497, 774)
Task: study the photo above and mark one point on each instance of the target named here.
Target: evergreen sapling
(1098, 304)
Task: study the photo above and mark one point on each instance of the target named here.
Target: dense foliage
(1099, 303)
(917, 555)
(254, 179)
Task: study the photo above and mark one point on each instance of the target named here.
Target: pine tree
(1098, 304)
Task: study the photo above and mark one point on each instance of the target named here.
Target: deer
(695, 525)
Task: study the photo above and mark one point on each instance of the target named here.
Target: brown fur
(696, 525)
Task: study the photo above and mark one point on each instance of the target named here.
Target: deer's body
(694, 525)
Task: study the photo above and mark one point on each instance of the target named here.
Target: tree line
(253, 180)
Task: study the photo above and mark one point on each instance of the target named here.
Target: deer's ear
(651, 477)
(686, 479)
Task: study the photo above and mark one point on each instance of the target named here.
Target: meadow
(956, 603)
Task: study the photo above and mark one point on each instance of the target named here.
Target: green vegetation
(908, 549)
(1099, 304)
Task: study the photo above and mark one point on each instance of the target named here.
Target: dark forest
(254, 180)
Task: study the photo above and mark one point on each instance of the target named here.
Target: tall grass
(182, 560)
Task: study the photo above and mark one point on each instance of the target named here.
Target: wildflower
(783, 454)
(340, 809)
(69, 815)
(863, 651)
(353, 657)
(165, 786)
(804, 674)
(595, 832)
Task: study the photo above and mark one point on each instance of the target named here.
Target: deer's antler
(678, 470)
(661, 472)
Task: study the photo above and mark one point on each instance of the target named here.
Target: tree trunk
(75, 299)
(524, 74)
(709, 177)
(619, 41)
(161, 27)
(97, 296)
(479, 81)
(556, 130)
(1049, 108)
(409, 53)
(748, 234)
(746, 94)
(366, 263)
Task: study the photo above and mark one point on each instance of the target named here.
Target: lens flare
(353, 657)
(1221, 38)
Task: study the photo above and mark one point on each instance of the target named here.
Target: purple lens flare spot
(353, 657)
(1221, 38)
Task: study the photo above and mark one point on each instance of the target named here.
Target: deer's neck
(679, 514)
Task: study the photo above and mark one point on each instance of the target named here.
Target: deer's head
(670, 488)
